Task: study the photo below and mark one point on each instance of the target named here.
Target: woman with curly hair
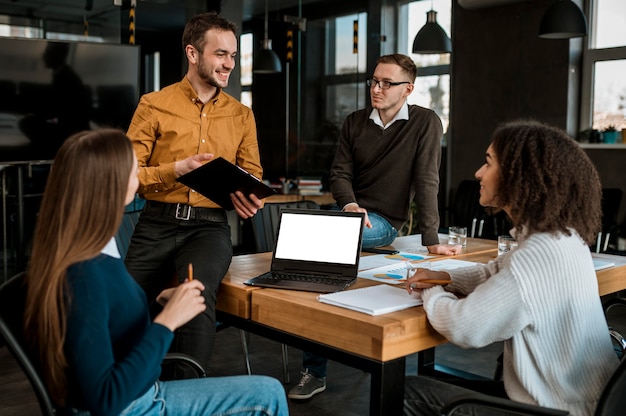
(88, 321)
(541, 299)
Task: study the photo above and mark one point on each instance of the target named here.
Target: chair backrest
(127, 227)
(265, 222)
(125, 232)
(466, 211)
(465, 206)
(611, 201)
(12, 301)
(613, 400)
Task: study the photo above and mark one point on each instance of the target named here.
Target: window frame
(589, 58)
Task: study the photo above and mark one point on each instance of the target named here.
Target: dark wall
(503, 71)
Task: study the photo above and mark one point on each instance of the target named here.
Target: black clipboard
(219, 178)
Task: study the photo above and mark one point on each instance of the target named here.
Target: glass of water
(505, 244)
(457, 235)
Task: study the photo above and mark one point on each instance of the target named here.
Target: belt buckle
(183, 212)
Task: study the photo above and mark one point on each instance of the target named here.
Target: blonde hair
(80, 212)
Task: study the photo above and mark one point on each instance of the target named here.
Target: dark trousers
(425, 396)
(158, 257)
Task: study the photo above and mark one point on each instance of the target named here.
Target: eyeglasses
(383, 85)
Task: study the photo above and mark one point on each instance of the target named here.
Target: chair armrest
(483, 400)
(185, 359)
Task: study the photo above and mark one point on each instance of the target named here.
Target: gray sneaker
(308, 387)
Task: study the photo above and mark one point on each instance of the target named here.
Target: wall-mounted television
(52, 89)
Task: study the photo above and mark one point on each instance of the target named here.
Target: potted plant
(609, 134)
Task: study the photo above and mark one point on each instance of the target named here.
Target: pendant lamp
(432, 38)
(266, 61)
(563, 20)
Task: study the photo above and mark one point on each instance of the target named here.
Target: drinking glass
(505, 244)
(457, 235)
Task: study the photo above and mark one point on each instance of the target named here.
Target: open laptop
(315, 251)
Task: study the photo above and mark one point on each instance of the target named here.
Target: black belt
(185, 212)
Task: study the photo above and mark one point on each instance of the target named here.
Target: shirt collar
(111, 249)
(402, 114)
(192, 94)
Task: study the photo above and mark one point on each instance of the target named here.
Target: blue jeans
(381, 234)
(237, 395)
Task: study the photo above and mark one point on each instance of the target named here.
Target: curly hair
(548, 181)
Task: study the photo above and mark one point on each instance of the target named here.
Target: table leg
(387, 388)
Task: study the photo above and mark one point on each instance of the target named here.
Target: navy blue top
(113, 347)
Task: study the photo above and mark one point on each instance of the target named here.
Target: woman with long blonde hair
(88, 321)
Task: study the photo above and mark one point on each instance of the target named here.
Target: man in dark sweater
(388, 155)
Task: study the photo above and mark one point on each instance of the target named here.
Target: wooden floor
(347, 392)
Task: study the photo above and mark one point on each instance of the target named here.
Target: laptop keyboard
(313, 278)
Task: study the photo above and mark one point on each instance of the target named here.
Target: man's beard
(207, 77)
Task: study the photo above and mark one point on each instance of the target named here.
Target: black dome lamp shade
(432, 38)
(563, 20)
(266, 61)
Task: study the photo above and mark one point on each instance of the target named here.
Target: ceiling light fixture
(266, 61)
(563, 20)
(431, 38)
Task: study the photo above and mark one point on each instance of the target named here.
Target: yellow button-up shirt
(173, 124)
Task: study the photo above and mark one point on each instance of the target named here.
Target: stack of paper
(372, 300)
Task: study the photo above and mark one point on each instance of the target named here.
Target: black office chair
(265, 227)
(615, 312)
(611, 201)
(612, 401)
(465, 209)
(12, 305)
(265, 222)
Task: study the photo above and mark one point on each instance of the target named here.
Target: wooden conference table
(375, 344)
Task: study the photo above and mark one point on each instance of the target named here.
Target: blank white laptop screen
(319, 238)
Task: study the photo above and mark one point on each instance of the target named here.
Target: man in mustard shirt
(174, 131)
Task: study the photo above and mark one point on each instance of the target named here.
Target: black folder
(219, 178)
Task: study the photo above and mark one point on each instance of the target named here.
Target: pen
(433, 282)
(190, 273)
(379, 251)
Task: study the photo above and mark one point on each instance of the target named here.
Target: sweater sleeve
(492, 310)
(342, 169)
(111, 373)
(426, 177)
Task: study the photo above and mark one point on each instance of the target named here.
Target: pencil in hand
(432, 282)
(436, 281)
(190, 273)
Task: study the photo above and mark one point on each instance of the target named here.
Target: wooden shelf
(603, 146)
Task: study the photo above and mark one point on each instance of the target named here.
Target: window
(344, 66)
(342, 59)
(245, 62)
(604, 66)
(432, 86)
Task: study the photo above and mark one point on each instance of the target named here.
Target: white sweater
(542, 300)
